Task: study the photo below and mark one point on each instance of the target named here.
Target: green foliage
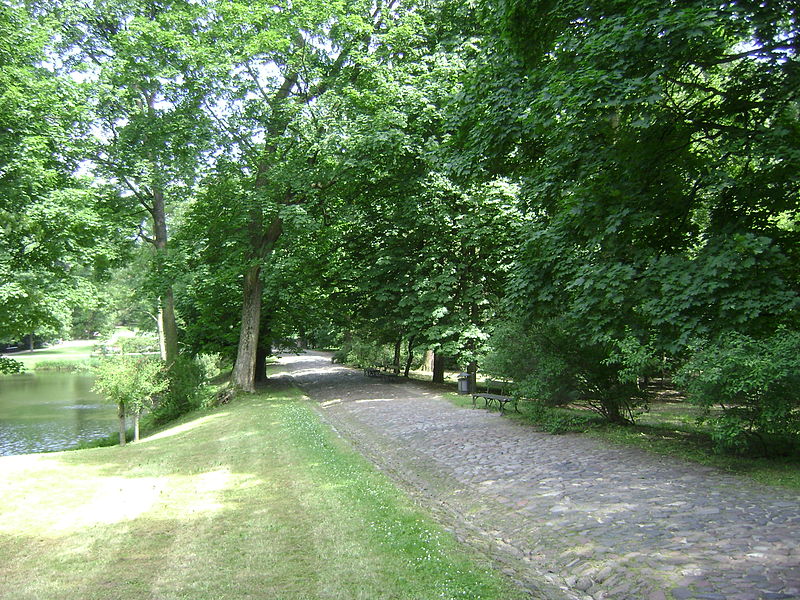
(9, 366)
(655, 146)
(64, 365)
(210, 365)
(755, 382)
(184, 389)
(131, 381)
(556, 420)
(551, 363)
(138, 344)
(362, 353)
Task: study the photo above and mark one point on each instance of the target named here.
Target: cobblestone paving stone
(567, 517)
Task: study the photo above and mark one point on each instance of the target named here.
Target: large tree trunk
(263, 351)
(438, 368)
(472, 369)
(410, 356)
(162, 346)
(136, 426)
(121, 416)
(398, 347)
(169, 325)
(244, 369)
(427, 362)
(169, 328)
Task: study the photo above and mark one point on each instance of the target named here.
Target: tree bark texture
(244, 369)
(167, 302)
(427, 362)
(410, 357)
(170, 326)
(262, 243)
(162, 345)
(262, 353)
(398, 346)
(121, 416)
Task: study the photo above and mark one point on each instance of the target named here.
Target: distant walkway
(568, 517)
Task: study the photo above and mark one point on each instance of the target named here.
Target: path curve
(568, 517)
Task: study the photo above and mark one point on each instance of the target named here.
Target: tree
(132, 383)
(271, 75)
(655, 145)
(59, 234)
(423, 258)
(148, 132)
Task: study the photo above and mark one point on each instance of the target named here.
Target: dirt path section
(567, 517)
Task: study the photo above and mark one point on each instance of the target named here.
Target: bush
(550, 363)
(362, 353)
(755, 382)
(9, 366)
(64, 366)
(138, 344)
(183, 393)
(558, 420)
(210, 365)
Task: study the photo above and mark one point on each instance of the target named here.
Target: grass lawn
(66, 351)
(256, 499)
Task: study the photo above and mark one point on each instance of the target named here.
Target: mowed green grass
(68, 351)
(257, 499)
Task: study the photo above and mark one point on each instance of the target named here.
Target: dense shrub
(755, 382)
(558, 420)
(64, 365)
(138, 344)
(9, 366)
(361, 353)
(550, 363)
(186, 378)
(210, 365)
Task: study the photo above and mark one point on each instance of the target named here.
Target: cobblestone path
(567, 517)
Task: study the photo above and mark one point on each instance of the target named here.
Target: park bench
(382, 371)
(490, 398)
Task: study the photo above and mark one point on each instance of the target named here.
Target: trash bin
(463, 383)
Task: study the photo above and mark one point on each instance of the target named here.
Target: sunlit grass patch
(254, 500)
(69, 353)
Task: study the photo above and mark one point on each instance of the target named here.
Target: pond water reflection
(51, 411)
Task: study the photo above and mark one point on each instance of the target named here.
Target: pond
(51, 411)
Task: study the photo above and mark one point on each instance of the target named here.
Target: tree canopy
(570, 193)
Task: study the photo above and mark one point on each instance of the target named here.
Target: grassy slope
(253, 500)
